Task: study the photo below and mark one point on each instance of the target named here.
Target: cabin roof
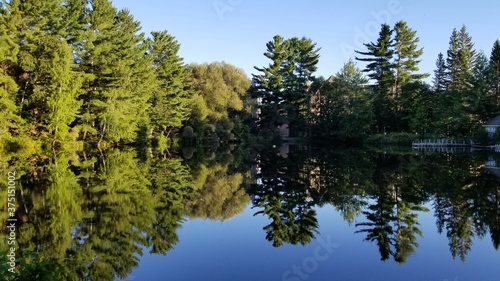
(495, 121)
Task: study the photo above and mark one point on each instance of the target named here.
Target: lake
(289, 213)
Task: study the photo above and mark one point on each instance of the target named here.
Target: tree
(269, 85)
(461, 59)
(452, 58)
(283, 89)
(456, 116)
(170, 99)
(9, 50)
(406, 60)
(381, 69)
(56, 87)
(440, 82)
(495, 68)
(406, 56)
(482, 100)
(115, 103)
(421, 108)
(296, 95)
(342, 108)
(221, 85)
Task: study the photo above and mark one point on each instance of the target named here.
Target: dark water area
(288, 213)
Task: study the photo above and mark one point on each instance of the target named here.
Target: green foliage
(380, 68)
(495, 69)
(220, 90)
(220, 86)
(282, 88)
(341, 108)
(461, 59)
(170, 99)
(392, 63)
(440, 81)
(219, 195)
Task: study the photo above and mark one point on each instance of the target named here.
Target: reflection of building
(491, 167)
(492, 125)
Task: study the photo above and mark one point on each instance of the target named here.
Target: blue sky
(236, 31)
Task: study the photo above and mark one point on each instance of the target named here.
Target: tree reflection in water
(88, 216)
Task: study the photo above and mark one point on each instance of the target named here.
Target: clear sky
(236, 31)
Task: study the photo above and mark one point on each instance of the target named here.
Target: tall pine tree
(305, 57)
(9, 49)
(406, 60)
(495, 69)
(115, 104)
(461, 59)
(380, 68)
(269, 84)
(170, 99)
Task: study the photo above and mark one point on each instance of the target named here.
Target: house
(492, 125)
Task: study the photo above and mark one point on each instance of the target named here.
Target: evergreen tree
(115, 104)
(8, 88)
(495, 68)
(421, 108)
(406, 57)
(380, 68)
(406, 63)
(440, 79)
(170, 100)
(269, 85)
(452, 58)
(56, 87)
(342, 107)
(44, 65)
(297, 95)
(482, 101)
(461, 59)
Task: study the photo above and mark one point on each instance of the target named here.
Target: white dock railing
(438, 143)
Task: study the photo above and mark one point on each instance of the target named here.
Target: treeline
(393, 97)
(381, 194)
(81, 70)
(106, 209)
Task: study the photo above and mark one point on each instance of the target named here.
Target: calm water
(281, 214)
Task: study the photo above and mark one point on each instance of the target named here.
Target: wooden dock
(439, 143)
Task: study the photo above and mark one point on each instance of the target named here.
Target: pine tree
(406, 63)
(269, 84)
(305, 57)
(452, 58)
(381, 69)
(482, 101)
(440, 82)
(9, 49)
(495, 68)
(355, 113)
(461, 59)
(406, 56)
(115, 105)
(170, 99)
(55, 87)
